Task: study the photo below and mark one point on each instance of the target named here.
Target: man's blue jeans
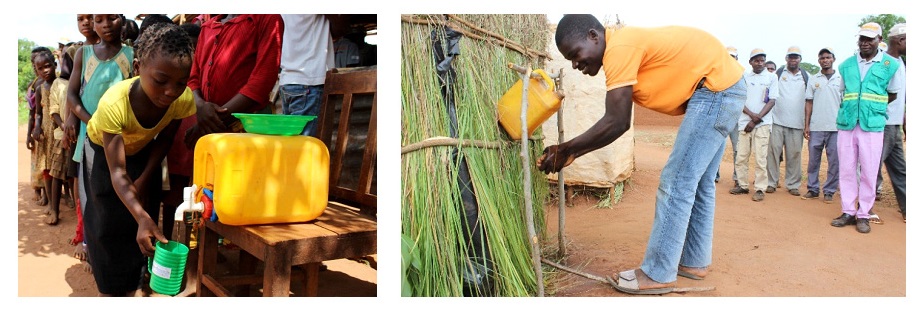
(682, 231)
(304, 101)
(734, 140)
(819, 141)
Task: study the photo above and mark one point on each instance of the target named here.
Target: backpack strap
(780, 69)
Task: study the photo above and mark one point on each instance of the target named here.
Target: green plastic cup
(168, 267)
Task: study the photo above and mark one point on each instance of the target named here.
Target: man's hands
(555, 158)
(209, 117)
(750, 126)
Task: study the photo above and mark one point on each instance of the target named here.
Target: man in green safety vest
(871, 81)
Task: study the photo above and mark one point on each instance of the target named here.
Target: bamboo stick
(446, 141)
(526, 170)
(495, 35)
(522, 70)
(497, 41)
(561, 186)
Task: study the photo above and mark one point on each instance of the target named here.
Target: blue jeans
(682, 231)
(304, 101)
(734, 140)
(818, 141)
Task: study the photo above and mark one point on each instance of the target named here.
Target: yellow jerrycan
(543, 101)
(263, 179)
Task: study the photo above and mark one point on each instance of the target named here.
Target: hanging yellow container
(262, 179)
(543, 101)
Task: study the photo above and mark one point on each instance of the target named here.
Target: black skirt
(109, 229)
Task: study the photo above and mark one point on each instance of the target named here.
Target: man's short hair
(576, 26)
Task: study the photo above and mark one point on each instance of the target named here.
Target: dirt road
(782, 246)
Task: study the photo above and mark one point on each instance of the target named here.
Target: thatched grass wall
(437, 256)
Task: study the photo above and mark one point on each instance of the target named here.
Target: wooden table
(339, 233)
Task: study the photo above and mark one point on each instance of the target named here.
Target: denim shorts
(302, 100)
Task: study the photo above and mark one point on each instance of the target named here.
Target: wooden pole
(561, 186)
(526, 170)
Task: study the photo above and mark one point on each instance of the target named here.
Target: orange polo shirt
(664, 65)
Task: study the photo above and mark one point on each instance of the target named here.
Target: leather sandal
(627, 282)
(685, 272)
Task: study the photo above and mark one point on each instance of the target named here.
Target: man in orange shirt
(673, 70)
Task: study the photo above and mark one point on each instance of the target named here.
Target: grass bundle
(432, 209)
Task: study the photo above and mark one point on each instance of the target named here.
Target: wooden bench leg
(247, 267)
(312, 280)
(207, 259)
(277, 277)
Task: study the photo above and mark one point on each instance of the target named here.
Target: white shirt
(826, 94)
(789, 111)
(896, 109)
(895, 83)
(306, 50)
(759, 86)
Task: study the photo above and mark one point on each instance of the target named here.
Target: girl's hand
(148, 229)
(30, 142)
(140, 185)
(70, 130)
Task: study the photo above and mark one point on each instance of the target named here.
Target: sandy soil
(782, 246)
(47, 266)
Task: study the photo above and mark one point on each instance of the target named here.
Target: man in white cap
(893, 154)
(755, 126)
(823, 99)
(787, 131)
(733, 52)
(872, 80)
(770, 66)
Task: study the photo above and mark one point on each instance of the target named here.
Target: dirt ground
(47, 268)
(780, 247)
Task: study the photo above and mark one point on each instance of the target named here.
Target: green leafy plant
(26, 75)
(432, 208)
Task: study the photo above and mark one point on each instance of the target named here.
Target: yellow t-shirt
(58, 96)
(114, 115)
(664, 65)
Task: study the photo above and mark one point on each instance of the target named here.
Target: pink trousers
(858, 163)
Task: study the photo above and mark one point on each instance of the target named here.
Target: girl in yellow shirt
(131, 132)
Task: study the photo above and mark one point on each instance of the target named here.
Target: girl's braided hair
(41, 50)
(165, 39)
